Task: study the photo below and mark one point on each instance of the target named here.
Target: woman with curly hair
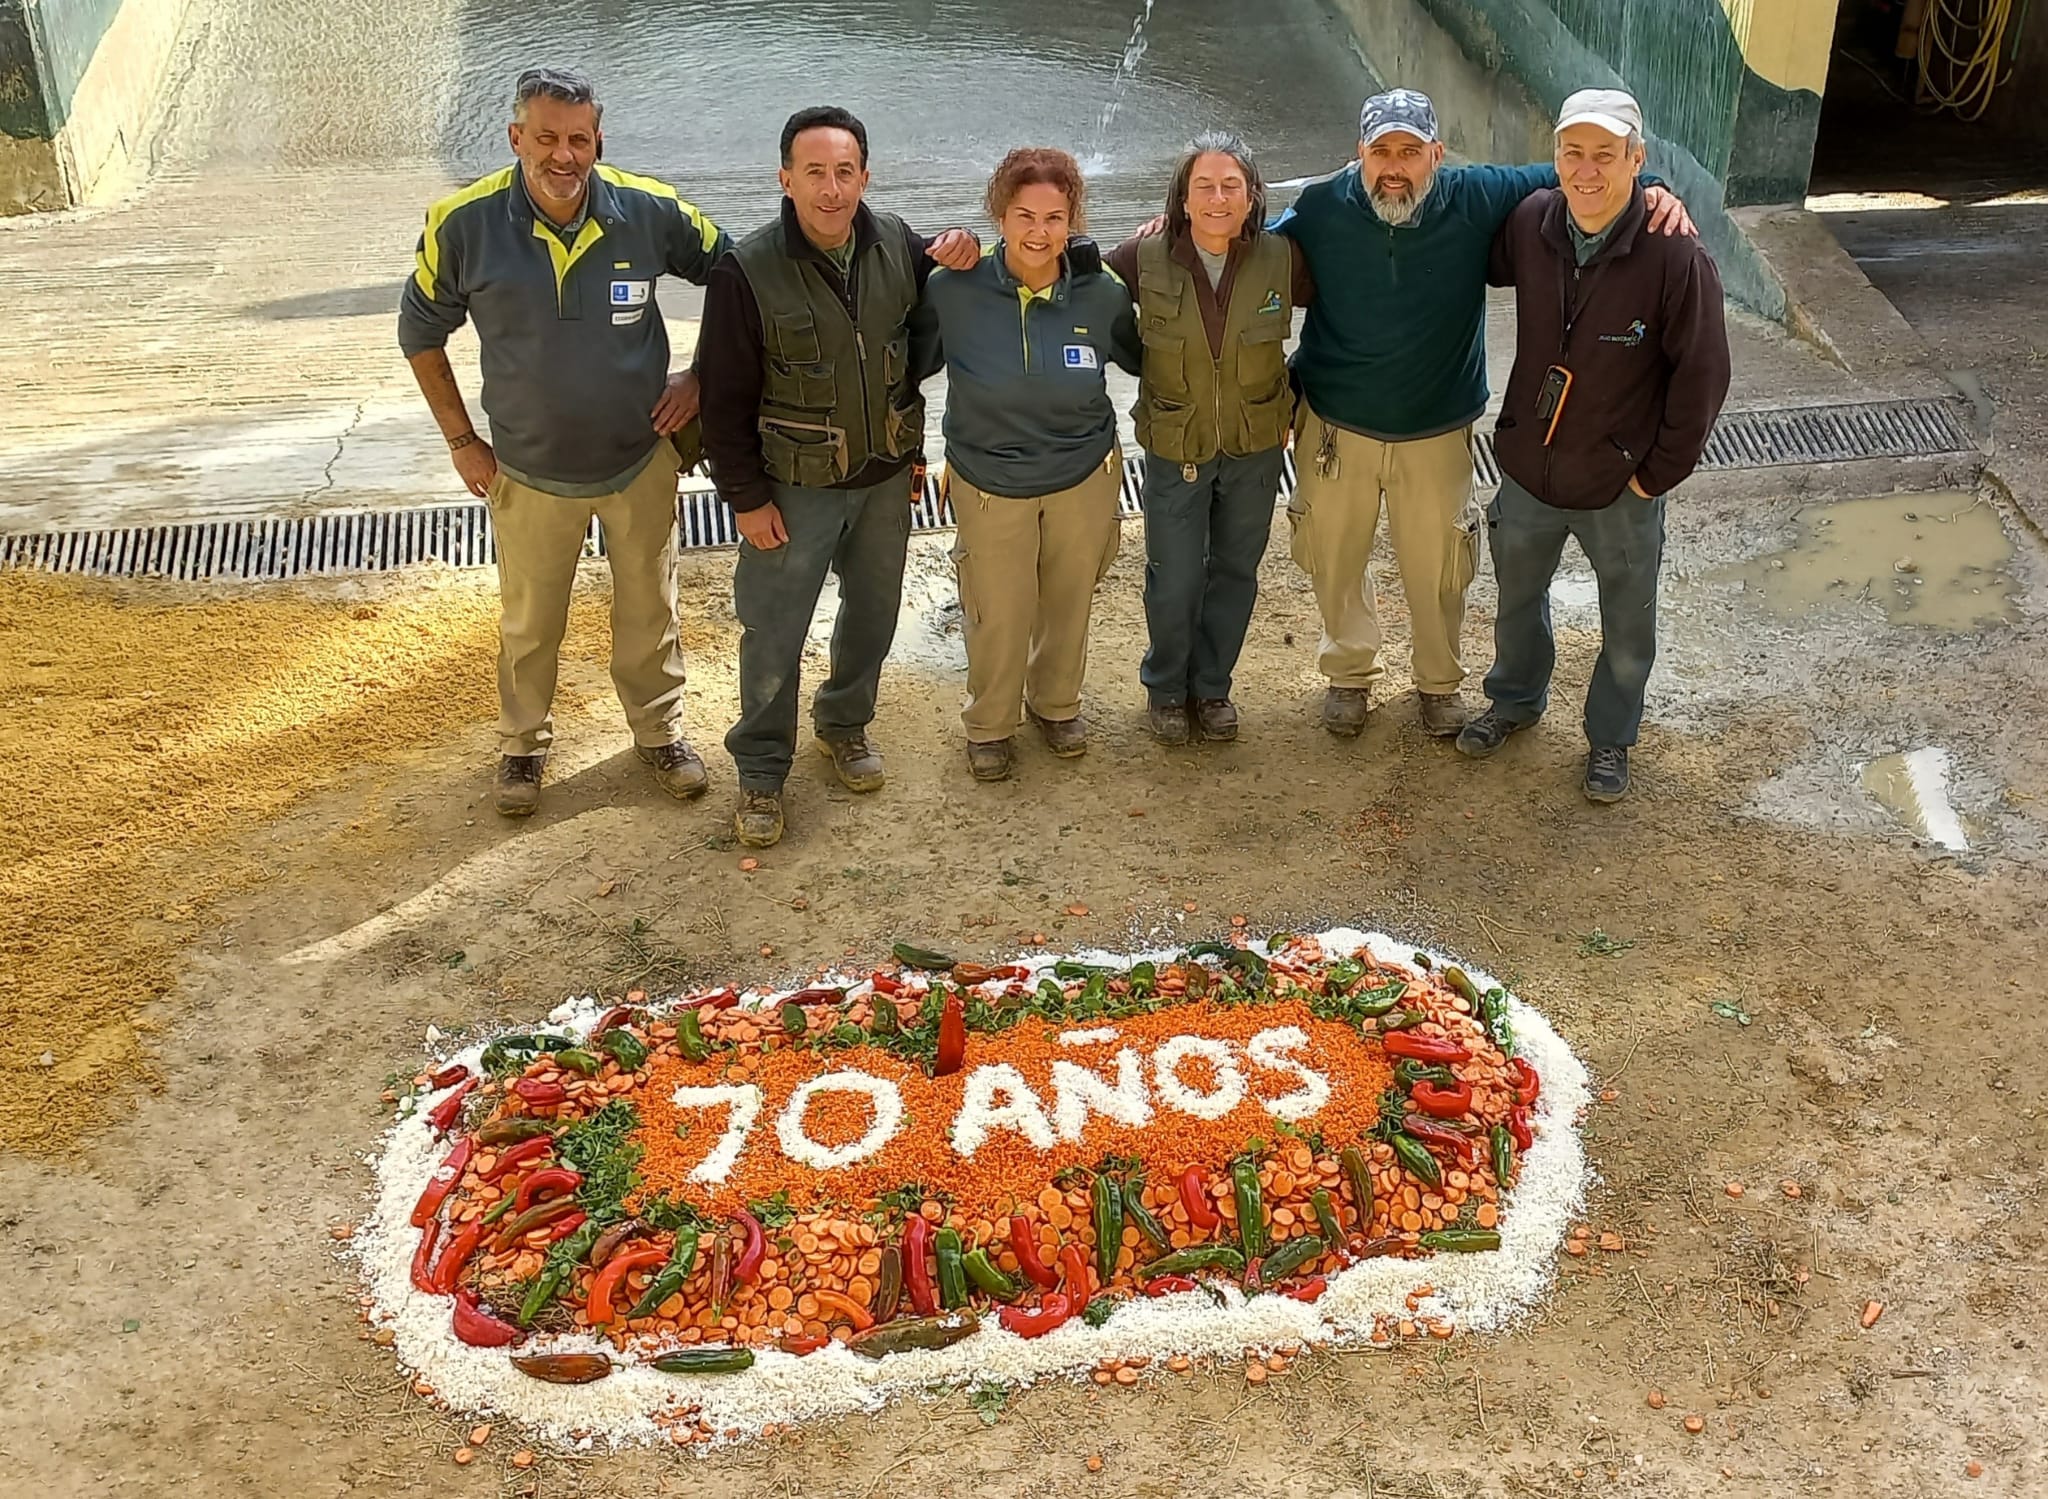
(1032, 464)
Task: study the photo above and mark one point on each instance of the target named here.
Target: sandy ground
(182, 1323)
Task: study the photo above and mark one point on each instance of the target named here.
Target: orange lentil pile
(828, 1252)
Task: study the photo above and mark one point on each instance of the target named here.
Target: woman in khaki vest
(1215, 296)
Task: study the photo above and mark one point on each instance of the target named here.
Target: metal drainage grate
(338, 542)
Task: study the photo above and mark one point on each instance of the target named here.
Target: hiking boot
(1065, 737)
(1344, 710)
(1606, 774)
(677, 768)
(517, 788)
(758, 822)
(1217, 717)
(989, 760)
(1168, 722)
(1487, 733)
(1443, 713)
(857, 763)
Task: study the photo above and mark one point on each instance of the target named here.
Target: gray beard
(1396, 211)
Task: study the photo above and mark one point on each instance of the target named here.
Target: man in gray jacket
(555, 260)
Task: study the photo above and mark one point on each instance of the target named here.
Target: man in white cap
(1621, 365)
(1392, 372)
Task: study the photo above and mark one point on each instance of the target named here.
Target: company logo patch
(1637, 332)
(1272, 302)
(620, 319)
(1081, 357)
(631, 293)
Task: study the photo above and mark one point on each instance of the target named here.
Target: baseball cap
(1398, 109)
(1613, 110)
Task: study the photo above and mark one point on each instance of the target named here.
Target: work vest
(836, 388)
(1191, 406)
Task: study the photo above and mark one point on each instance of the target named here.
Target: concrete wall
(78, 81)
(2016, 108)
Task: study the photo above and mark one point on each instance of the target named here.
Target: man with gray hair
(555, 258)
(1392, 374)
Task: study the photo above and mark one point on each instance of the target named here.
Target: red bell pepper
(1440, 1102)
(478, 1328)
(598, 1309)
(1527, 1084)
(1024, 1244)
(1431, 1133)
(1194, 1196)
(917, 1272)
(1166, 1285)
(456, 1257)
(952, 1036)
(444, 1114)
(1518, 1126)
(442, 1182)
(1424, 1048)
(448, 1076)
(518, 1155)
(1035, 1322)
(1306, 1290)
(539, 1091)
(558, 1179)
(423, 1257)
(747, 1268)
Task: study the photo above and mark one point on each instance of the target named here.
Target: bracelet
(456, 443)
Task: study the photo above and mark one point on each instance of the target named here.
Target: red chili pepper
(423, 1257)
(478, 1328)
(1431, 1133)
(1074, 1271)
(539, 1090)
(801, 1342)
(817, 994)
(1024, 1245)
(448, 1076)
(885, 983)
(616, 1015)
(598, 1308)
(1306, 1290)
(716, 999)
(1166, 1285)
(1527, 1084)
(1009, 972)
(564, 1226)
(555, 1179)
(1036, 1322)
(1423, 1048)
(747, 1268)
(917, 1272)
(442, 1182)
(444, 1113)
(1442, 1103)
(1518, 1126)
(456, 1257)
(519, 1155)
(1194, 1196)
(952, 1036)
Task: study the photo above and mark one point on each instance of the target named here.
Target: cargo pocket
(1298, 546)
(1463, 563)
(811, 455)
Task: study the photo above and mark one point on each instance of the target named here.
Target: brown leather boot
(517, 787)
(677, 768)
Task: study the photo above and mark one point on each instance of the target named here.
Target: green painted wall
(24, 113)
(45, 48)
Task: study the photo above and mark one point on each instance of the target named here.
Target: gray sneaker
(1344, 710)
(856, 762)
(1065, 737)
(1606, 773)
(1443, 713)
(677, 768)
(516, 791)
(1217, 718)
(989, 760)
(758, 821)
(1487, 733)
(1168, 722)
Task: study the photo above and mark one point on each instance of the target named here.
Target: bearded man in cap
(1392, 374)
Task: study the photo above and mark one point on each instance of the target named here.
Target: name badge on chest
(1081, 357)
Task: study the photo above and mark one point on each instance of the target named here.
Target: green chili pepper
(1326, 1218)
(1376, 1002)
(705, 1361)
(1140, 1218)
(1503, 1155)
(1408, 1072)
(1288, 1258)
(555, 1273)
(578, 1061)
(1071, 968)
(888, 1284)
(1143, 978)
(690, 1036)
(681, 1261)
(1462, 1240)
(1108, 1202)
(627, 1049)
(1413, 1154)
(1422, 961)
(796, 1020)
(1404, 1020)
(1460, 984)
(982, 1271)
(914, 1335)
(920, 957)
(885, 1020)
(512, 1131)
(500, 1209)
(1187, 1261)
(1493, 1010)
(1251, 1212)
(952, 1273)
(1352, 1162)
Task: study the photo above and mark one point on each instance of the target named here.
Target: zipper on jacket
(1024, 328)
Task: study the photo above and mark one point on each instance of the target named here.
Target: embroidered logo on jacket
(1272, 302)
(1636, 333)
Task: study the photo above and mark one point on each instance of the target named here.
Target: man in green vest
(812, 417)
(1216, 296)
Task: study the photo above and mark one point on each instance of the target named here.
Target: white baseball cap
(1613, 110)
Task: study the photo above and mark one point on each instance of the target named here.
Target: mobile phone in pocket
(1557, 385)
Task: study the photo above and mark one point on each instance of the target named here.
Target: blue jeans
(1625, 544)
(860, 534)
(1203, 544)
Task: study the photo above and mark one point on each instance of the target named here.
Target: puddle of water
(1914, 787)
(1928, 559)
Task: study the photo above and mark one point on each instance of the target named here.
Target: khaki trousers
(540, 539)
(1028, 570)
(1432, 520)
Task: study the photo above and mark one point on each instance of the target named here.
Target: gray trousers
(1203, 543)
(860, 534)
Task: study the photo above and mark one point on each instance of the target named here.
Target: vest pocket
(1165, 367)
(807, 453)
(903, 428)
(1167, 430)
(1262, 356)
